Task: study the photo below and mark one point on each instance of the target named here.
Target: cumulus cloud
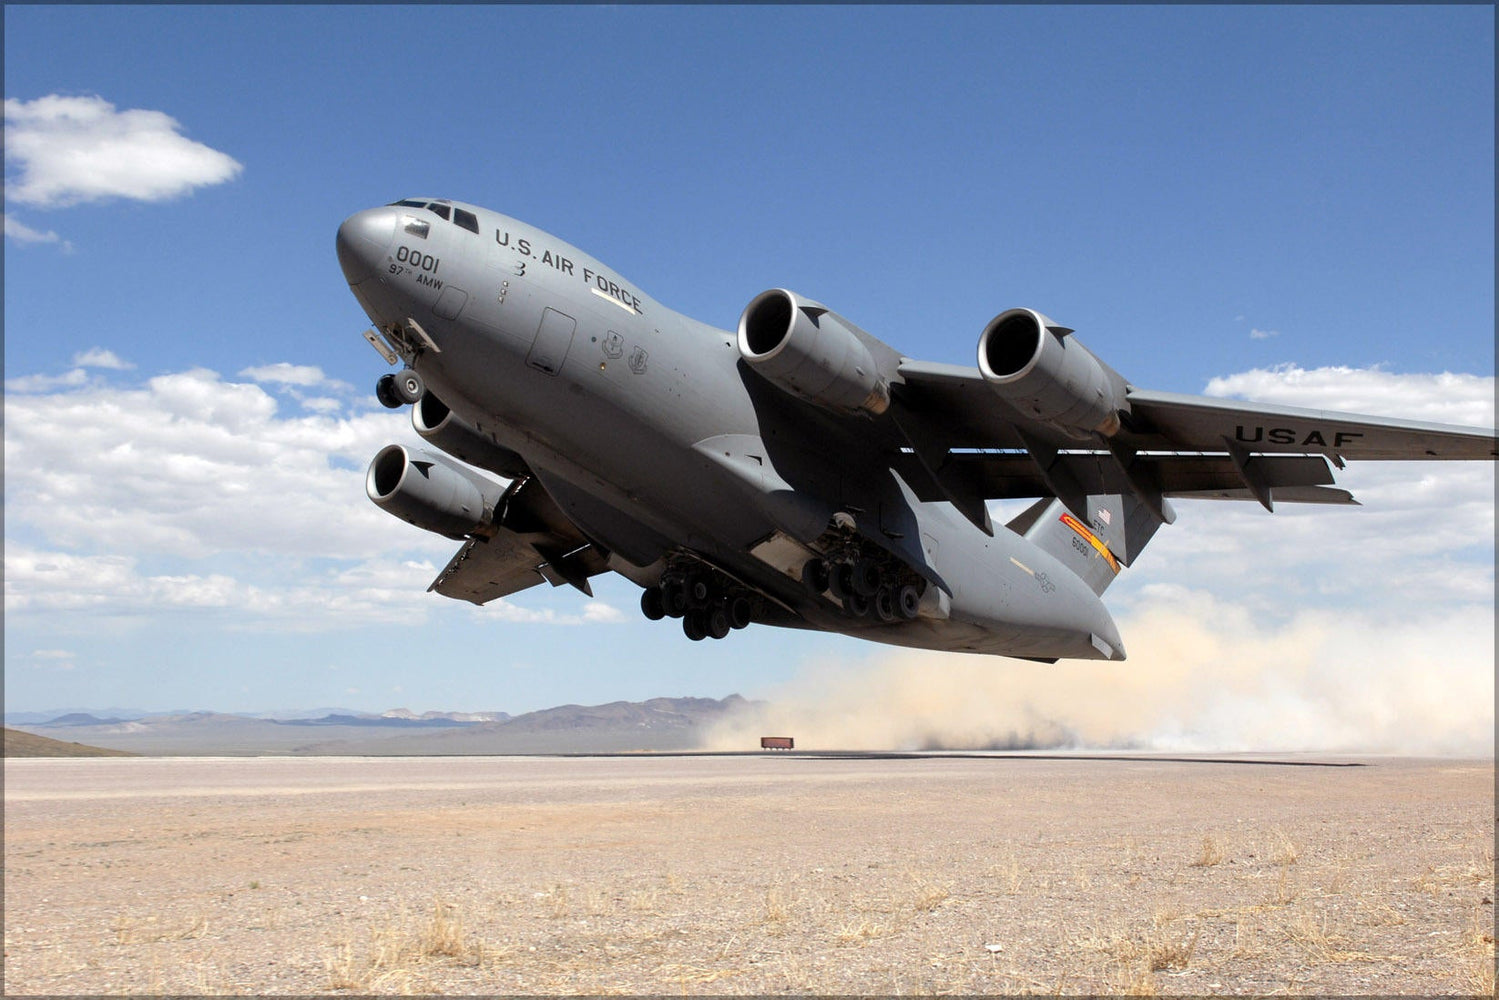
(283, 373)
(23, 234)
(189, 464)
(72, 150)
(99, 357)
(1444, 398)
(1257, 334)
(190, 492)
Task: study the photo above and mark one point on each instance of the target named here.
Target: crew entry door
(553, 338)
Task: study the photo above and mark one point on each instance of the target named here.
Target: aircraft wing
(967, 444)
(972, 416)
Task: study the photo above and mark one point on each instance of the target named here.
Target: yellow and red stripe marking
(1091, 539)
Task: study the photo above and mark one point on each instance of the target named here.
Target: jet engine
(811, 352)
(432, 492)
(442, 428)
(1032, 362)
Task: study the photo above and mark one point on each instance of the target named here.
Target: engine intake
(1032, 362)
(432, 492)
(811, 352)
(440, 427)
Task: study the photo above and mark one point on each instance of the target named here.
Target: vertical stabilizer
(1118, 527)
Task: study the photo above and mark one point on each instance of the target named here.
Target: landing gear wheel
(409, 386)
(694, 626)
(741, 612)
(856, 605)
(651, 604)
(840, 581)
(907, 602)
(718, 622)
(864, 577)
(698, 591)
(815, 576)
(673, 598)
(385, 392)
(884, 605)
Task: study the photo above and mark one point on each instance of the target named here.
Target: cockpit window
(414, 226)
(441, 210)
(409, 204)
(466, 219)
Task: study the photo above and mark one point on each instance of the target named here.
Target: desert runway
(749, 874)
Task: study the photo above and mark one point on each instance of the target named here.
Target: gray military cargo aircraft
(797, 472)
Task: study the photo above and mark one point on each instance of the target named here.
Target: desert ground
(750, 874)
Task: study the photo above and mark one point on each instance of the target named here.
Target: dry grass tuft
(396, 947)
(1476, 954)
(149, 930)
(929, 896)
(1212, 853)
(1286, 851)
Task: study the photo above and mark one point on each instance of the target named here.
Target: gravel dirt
(749, 874)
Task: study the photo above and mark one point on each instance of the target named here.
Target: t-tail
(1116, 529)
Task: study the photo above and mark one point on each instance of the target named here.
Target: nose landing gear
(397, 389)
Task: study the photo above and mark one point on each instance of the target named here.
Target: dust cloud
(1202, 675)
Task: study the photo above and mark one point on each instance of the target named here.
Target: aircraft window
(409, 204)
(441, 210)
(415, 226)
(466, 219)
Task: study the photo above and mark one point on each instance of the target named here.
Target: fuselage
(656, 439)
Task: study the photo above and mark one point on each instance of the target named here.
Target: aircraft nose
(363, 241)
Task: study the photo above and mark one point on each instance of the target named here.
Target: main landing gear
(867, 587)
(709, 604)
(397, 389)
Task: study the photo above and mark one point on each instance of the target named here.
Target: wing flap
(1015, 475)
(486, 569)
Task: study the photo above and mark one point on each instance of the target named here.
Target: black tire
(698, 591)
(840, 581)
(718, 622)
(741, 612)
(409, 386)
(694, 626)
(884, 605)
(815, 576)
(907, 602)
(651, 604)
(856, 605)
(864, 577)
(673, 598)
(385, 391)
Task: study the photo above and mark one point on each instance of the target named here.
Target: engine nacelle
(811, 352)
(1046, 374)
(432, 492)
(442, 428)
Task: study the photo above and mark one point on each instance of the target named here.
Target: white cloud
(46, 383)
(190, 493)
(71, 150)
(1445, 398)
(1258, 334)
(99, 357)
(283, 373)
(24, 234)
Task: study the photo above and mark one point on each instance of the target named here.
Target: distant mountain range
(656, 724)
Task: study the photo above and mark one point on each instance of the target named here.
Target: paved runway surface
(749, 874)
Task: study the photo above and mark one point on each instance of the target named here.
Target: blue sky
(1229, 193)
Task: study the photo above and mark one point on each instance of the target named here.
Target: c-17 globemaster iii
(797, 471)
